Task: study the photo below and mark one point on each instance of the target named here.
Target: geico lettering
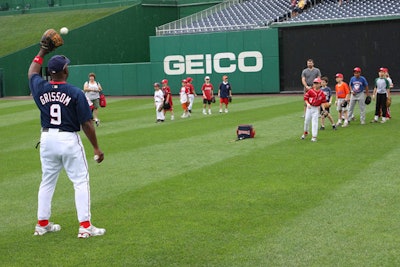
(250, 54)
(178, 66)
(247, 61)
(217, 61)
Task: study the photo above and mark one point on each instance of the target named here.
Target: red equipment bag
(103, 101)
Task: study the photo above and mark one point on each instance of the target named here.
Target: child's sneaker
(51, 227)
(220, 110)
(209, 111)
(322, 128)
(314, 139)
(90, 231)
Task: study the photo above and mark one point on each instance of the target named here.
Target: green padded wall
(216, 54)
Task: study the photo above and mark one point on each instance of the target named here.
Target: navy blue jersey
(224, 90)
(61, 105)
(328, 93)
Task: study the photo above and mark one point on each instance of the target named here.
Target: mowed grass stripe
(357, 223)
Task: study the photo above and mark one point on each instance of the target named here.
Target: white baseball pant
(160, 114)
(311, 117)
(63, 150)
(191, 98)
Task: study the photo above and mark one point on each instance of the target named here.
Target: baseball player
(325, 113)
(381, 93)
(313, 99)
(168, 104)
(307, 77)
(159, 103)
(342, 99)
(208, 93)
(184, 99)
(63, 111)
(192, 93)
(358, 85)
(224, 93)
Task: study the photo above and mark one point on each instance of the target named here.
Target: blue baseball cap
(57, 63)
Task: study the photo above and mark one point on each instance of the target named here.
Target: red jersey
(191, 88)
(207, 90)
(315, 97)
(167, 91)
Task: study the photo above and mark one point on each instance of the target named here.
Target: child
(168, 105)
(208, 93)
(159, 103)
(192, 93)
(388, 116)
(342, 99)
(328, 93)
(381, 92)
(224, 93)
(184, 98)
(313, 98)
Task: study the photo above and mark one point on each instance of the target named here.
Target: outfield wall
(339, 48)
(252, 63)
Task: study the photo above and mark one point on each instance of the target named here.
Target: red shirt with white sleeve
(315, 97)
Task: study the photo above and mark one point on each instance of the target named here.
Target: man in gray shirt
(308, 75)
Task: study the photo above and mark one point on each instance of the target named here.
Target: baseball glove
(324, 113)
(230, 99)
(344, 104)
(213, 99)
(368, 100)
(167, 106)
(51, 40)
(388, 102)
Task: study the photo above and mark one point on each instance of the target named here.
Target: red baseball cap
(189, 79)
(317, 80)
(357, 69)
(382, 69)
(184, 81)
(164, 81)
(339, 75)
(156, 85)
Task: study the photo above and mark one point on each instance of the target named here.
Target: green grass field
(25, 28)
(183, 193)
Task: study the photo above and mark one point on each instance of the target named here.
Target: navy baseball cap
(57, 63)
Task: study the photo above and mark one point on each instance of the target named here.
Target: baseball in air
(64, 30)
(96, 157)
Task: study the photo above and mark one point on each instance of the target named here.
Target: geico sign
(204, 64)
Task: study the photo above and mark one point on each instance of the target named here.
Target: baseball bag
(245, 131)
(368, 100)
(103, 101)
